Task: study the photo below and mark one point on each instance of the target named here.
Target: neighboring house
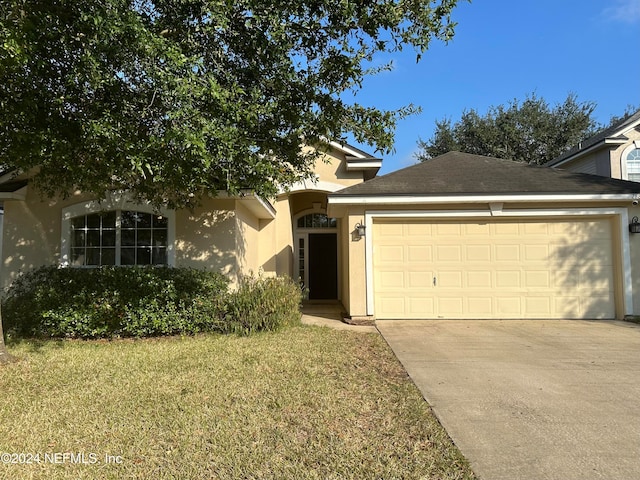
(458, 236)
(614, 152)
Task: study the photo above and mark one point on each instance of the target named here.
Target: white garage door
(493, 269)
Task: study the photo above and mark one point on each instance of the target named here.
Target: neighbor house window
(633, 165)
(119, 237)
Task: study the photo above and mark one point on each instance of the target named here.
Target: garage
(463, 236)
(493, 269)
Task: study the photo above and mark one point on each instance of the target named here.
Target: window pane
(77, 256)
(109, 220)
(108, 238)
(93, 256)
(108, 256)
(127, 256)
(160, 222)
(93, 238)
(128, 219)
(159, 256)
(144, 256)
(128, 238)
(78, 238)
(144, 237)
(144, 220)
(78, 222)
(93, 220)
(160, 238)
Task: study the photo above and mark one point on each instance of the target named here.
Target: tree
(172, 99)
(529, 132)
(169, 99)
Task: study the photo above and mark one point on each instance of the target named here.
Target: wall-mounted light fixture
(634, 226)
(362, 230)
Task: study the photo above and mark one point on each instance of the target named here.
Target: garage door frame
(496, 211)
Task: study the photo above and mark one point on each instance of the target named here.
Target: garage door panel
(419, 253)
(419, 307)
(480, 306)
(478, 279)
(499, 269)
(538, 307)
(507, 252)
(537, 279)
(391, 279)
(448, 253)
(419, 279)
(537, 253)
(391, 253)
(508, 307)
(507, 279)
(476, 229)
(450, 307)
(478, 253)
(452, 279)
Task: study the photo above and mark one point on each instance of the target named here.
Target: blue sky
(506, 49)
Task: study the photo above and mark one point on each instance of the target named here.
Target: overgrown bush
(263, 303)
(144, 301)
(111, 301)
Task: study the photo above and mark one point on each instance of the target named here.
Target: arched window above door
(316, 220)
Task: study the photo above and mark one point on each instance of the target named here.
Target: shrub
(111, 301)
(263, 303)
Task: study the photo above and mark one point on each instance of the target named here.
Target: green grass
(303, 403)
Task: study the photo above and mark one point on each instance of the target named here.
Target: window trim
(115, 201)
(623, 158)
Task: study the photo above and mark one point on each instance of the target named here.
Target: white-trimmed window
(632, 160)
(115, 232)
(120, 237)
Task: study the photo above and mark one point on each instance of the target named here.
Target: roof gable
(613, 135)
(457, 174)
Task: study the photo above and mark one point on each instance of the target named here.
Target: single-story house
(459, 236)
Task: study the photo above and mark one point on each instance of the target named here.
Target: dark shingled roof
(611, 132)
(456, 173)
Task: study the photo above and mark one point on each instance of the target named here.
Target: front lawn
(303, 403)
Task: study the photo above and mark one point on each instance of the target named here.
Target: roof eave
(606, 142)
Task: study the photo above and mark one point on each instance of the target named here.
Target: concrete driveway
(530, 400)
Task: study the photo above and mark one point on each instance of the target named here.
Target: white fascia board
(346, 149)
(311, 185)
(363, 165)
(259, 206)
(448, 199)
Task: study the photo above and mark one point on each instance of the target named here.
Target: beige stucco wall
(634, 247)
(334, 169)
(206, 237)
(31, 233)
(247, 240)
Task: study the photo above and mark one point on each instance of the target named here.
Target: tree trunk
(5, 357)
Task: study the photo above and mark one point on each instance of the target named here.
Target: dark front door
(323, 266)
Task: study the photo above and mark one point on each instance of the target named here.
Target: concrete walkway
(329, 314)
(531, 400)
